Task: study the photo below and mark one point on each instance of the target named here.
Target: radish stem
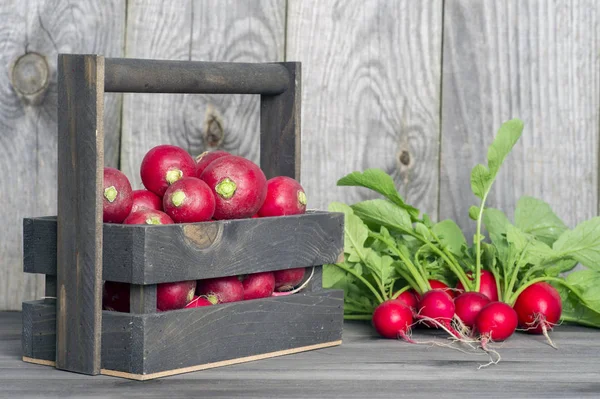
(418, 277)
(513, 298)
(361, 278)
(400, 292)
(478, 244)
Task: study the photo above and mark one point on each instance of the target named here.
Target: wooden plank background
(415, 88)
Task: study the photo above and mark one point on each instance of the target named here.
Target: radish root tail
(545, 332)
(540, 320)
(484, 341)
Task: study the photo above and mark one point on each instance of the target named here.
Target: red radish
(285, 196)
(238, 184)
(148, 216)
(225, 289)
(146, 199)
(189, 200)
(436, 285)
(204, 159)
(198, 301)
(468, 305)
(496, 321)
(409, 299)
(538, 309)
(487, 285)
(392, 319)
(116, 196)
(437, 308)
(115, 296)
(163, 165)
(286, 280)
(258, 285)
(171, 296)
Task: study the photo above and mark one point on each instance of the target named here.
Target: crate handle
(82, 81)
(160, 76)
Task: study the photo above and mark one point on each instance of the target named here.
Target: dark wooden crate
(76, 251)
(147, 346)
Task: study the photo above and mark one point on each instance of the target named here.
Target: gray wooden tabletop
(364, 366)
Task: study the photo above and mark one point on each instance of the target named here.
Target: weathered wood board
(536, 60)
(280, 126)
(154, 345)
(34, 32)
(80, 203)
(133, 253)
(371, 94)
(207, 30)
(363, 366)
(374, 76)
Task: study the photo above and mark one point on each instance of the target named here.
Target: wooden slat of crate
(79, 252)
(198, 250)
(155, 345)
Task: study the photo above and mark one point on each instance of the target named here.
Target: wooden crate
(76, 251)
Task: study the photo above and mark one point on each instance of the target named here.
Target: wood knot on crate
(202, 236)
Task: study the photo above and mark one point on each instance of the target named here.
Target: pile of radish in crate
(216, 185)
(403, 271)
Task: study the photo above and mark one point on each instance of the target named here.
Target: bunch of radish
(471, 315)
(216, 185)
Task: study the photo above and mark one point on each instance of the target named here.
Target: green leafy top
(582, 243)
(379, 181)
(483, 177)
(536, 217)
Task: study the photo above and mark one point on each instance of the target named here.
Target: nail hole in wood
(405, 158)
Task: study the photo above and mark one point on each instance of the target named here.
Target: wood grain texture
(142, 298)
(28, 131)
(157, 254)
(39, 245)
(39, 329)
(363, 366)
(154, 343)
(241, 329)
(371, 95)
(79, 220)
(206, 366)
(280, 123)
(199, 30)
(529, 59)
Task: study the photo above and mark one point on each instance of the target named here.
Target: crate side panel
(240, 329)
(208, 250)
(156, 254)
